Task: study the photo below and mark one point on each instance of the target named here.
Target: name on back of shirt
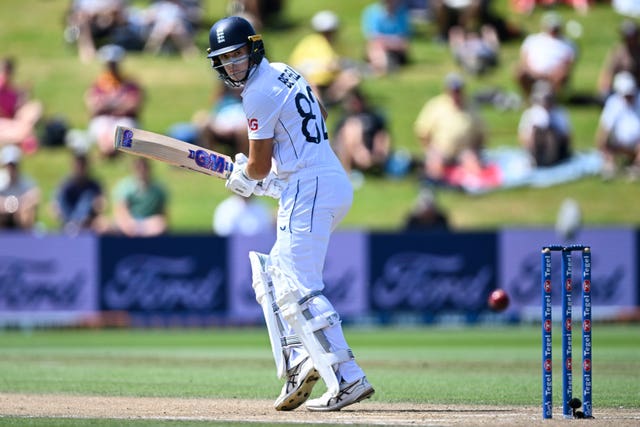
(289, 77)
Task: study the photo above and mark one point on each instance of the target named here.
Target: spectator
(79, 201)
(426, 214)
(450, 132)
(113, 99)
(317, 60)
(624, 56)
(464, 14)
(168, 21)
(258, 12)
(527, 6)
(546, 55)
(362, 138)
(630, 8)
(224, 127)
(470, 15)
(194, 13)
(19, 194)
(618, 134)
(545, 129)
(246, 216)
(386, 26)
(420, 11)
(140, 203)
(505, 29)
(91, 22)
(18, 114)
(476, 52)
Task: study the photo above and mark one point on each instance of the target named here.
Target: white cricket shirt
(279, 104)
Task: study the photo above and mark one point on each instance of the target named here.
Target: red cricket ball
(498, 300)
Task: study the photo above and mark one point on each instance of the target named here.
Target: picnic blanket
(509, 167)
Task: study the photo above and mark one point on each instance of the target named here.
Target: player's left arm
(262, 115)
(263, 112)
(248, 172)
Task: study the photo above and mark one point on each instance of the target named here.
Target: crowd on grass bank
(449, 128)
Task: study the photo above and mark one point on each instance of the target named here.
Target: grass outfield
(496, 366)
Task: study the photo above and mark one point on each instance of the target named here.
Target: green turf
(470, 365)
(176, 88)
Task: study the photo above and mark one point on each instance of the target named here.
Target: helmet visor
(225, 49)
(235, 67)
(232, 61)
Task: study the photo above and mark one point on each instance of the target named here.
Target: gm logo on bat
(127, 138)
(210, 161)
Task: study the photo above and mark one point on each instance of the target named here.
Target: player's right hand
(270, 186)
(240, 159)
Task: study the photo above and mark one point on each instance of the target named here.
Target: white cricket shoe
(300, 381)
(349, 394)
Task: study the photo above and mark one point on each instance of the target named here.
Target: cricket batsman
(292, 160)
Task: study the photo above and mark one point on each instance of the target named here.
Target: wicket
(569, 404)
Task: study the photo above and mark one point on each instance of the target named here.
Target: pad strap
(290, 341)
(323, 321)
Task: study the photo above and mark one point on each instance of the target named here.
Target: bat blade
(172, 151)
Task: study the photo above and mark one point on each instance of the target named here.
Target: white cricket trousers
(310, 209)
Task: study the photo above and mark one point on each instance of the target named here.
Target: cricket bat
(172, 151)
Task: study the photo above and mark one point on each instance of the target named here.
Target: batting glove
(270, 186)
(238, 181)
(241, 159)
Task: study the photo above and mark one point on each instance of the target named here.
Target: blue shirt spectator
(386, 26)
